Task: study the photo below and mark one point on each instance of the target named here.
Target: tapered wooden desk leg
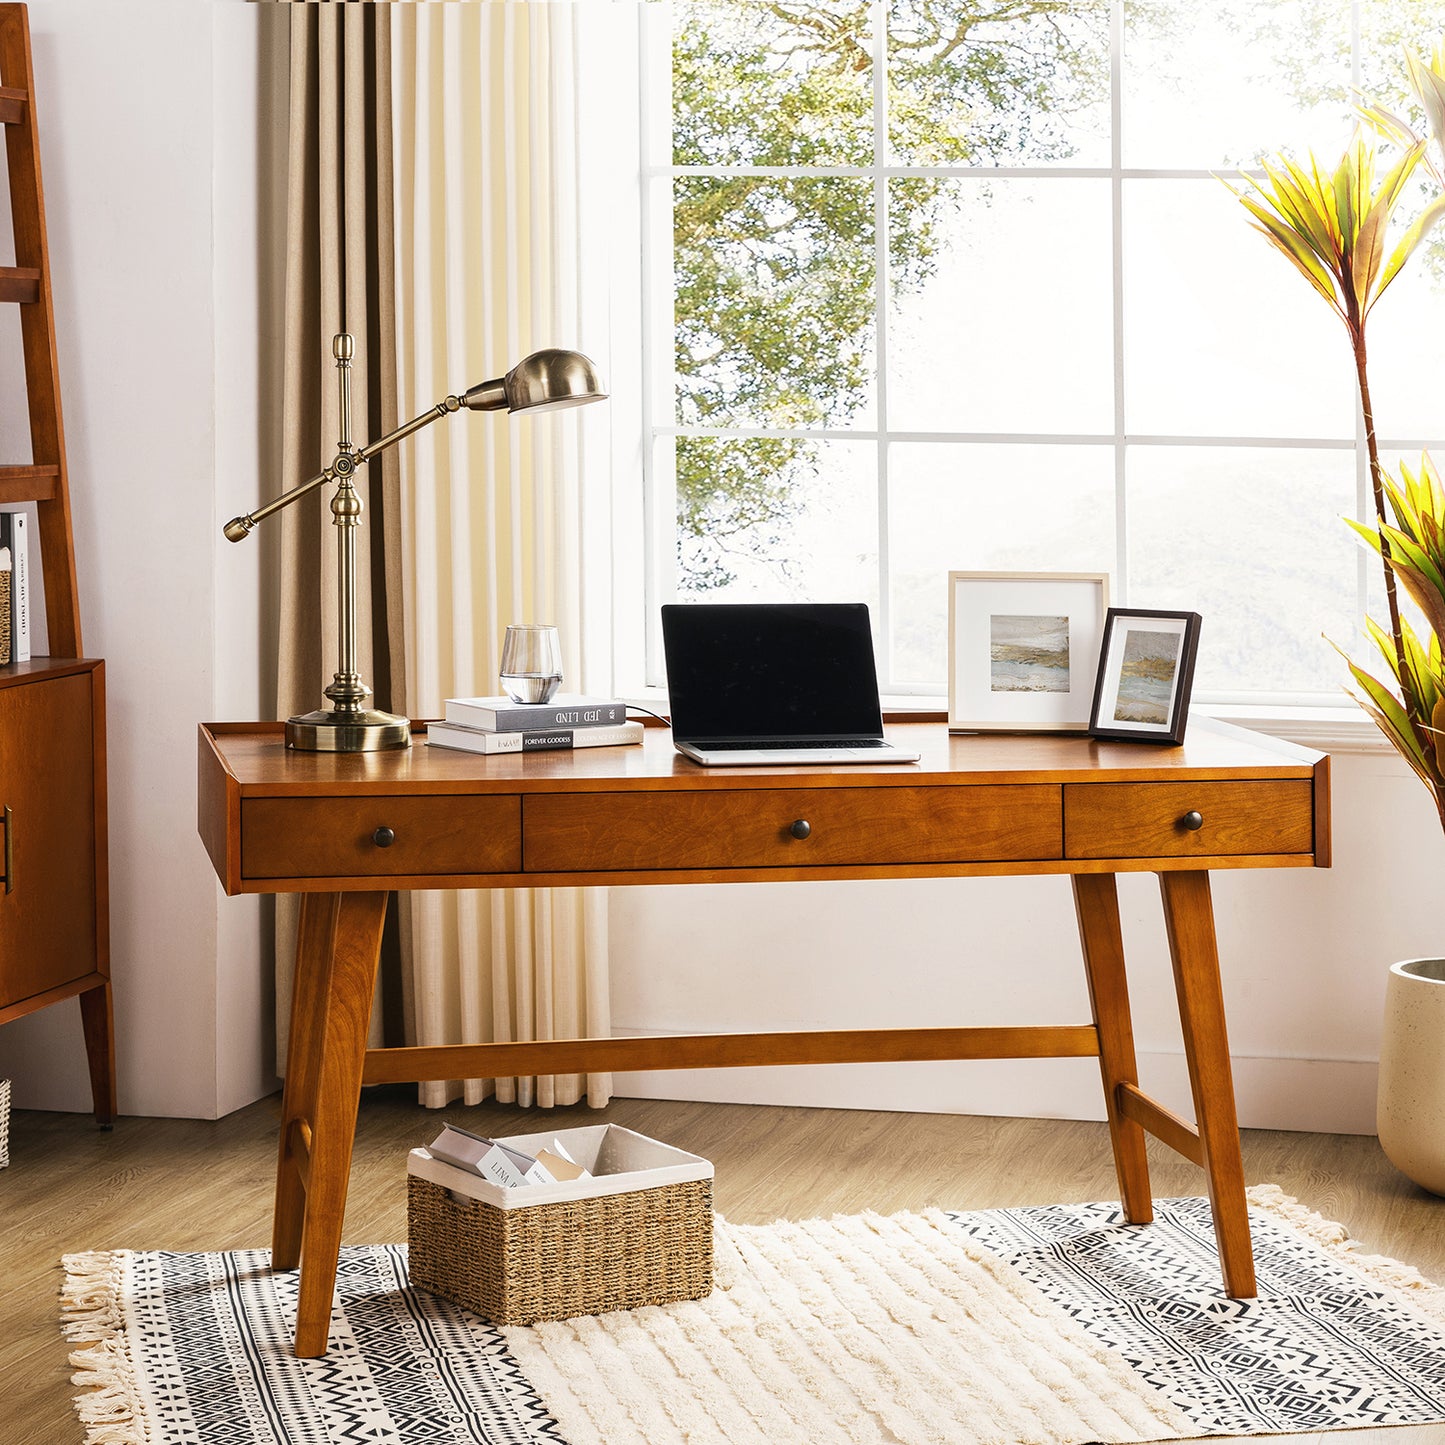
(1096, 900)
(310, 987)
(336, 952)
(97, 1021)
(1189, 917)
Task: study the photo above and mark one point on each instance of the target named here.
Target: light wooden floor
(181, 1184)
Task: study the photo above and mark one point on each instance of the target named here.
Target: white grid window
(939, 285)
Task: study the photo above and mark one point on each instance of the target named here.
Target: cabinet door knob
(1193, 821)
(383, 837)
(801, 828)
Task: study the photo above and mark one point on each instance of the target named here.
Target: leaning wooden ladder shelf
(54, 915)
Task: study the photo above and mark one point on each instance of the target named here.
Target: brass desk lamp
(545, 381)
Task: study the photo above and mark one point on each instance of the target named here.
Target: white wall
(1304, 954)
(138, 105)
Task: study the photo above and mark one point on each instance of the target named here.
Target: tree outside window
(954, 287)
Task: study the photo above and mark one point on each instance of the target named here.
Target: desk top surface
(255, 760)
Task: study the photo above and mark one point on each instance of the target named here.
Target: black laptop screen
(771, 670)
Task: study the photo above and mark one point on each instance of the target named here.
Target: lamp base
(329, 731)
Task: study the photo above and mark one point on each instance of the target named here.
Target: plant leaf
(1427, 597)
(1388, 124)
(1303, 201)
(1309, 268)
(1370, 535)
(1414, 234)
(1382, 722)
(1385, 643)
(1388, 713)
(1428, 83)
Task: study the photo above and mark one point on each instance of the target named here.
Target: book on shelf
(484, 740)
(15, 537)
(501, 714)
(4, 605)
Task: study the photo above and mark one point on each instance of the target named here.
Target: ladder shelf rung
(28, 483)
(14, 105)
(19, 283)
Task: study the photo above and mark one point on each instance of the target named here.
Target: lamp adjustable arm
(544, 381)
(345, 465)
(239, 527)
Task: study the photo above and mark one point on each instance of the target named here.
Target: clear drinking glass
(531, 662)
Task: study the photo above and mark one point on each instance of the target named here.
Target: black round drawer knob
(1193, 821)
(801, 828)
(383, 837)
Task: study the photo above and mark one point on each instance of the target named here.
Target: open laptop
(755, 683)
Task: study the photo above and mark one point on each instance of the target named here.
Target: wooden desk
(342, 829)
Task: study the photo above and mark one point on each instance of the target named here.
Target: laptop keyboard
(793, 744)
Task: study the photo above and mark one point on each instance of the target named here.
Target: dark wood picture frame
(1142, 715)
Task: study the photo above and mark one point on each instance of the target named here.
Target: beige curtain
(487, 271)
(339, 277)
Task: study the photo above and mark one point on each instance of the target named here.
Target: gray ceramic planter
(1411, 1110)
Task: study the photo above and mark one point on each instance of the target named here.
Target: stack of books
(499, 725)
(14, 588)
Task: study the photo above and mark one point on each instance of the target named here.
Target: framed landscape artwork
(1023, 649)
(1146, 672)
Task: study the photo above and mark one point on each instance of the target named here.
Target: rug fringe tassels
(90, 1310)
(1424, 1294)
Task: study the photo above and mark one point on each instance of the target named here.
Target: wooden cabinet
(54, 937)
(47, 909)
(54, 934)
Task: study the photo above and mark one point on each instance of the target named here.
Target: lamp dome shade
(544, 381)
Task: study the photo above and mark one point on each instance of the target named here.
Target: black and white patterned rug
(1057, 1324)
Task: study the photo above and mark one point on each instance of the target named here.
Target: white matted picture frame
(1023, 650)
(1146, 674)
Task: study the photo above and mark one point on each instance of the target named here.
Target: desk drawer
(337, 837)
(750, 828)
(1148, 820)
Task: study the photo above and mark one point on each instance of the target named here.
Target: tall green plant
(1334, 227)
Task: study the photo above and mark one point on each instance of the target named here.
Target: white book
(15, 534)
(5, 580)
(483, 740)
(566, 710)
(486, 1157)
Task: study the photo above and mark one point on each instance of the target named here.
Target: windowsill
(1327, 729)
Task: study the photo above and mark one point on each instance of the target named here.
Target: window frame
(1319, 714)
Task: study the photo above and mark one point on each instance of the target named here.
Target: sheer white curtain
(488, 264)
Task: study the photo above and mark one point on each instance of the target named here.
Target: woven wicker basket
(554, 1261)
(4, 1123)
